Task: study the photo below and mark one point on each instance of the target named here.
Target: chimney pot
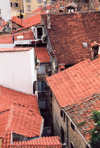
(48, 21)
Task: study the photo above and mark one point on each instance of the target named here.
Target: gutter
(76, 128)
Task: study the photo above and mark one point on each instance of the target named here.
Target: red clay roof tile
(76, 82)
(17, 20)
(24, 101)
(81, 114)
(8, 39)
(42, 54)
(47, 142)
(68, 33)
(15, 49)
(4, 24)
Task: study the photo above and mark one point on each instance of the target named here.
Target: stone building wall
(71, 137)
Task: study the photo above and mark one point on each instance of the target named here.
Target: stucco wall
(70, 135)
(5, 9)
(17, 70)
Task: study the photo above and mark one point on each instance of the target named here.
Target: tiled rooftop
(81, 113)
(69, 31)
(8, 39)
(31, 21)
(26, 123)
(15, 49)
(47, 142)
(42, 54)
(3, 123)
(24, 101)
(4, 24)
(18, 121)
(77, 82)
(19, 113)
(17, 21)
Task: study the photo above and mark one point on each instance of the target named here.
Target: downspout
(67, 134)
(42, 125)
(24, 5)
(76, 128)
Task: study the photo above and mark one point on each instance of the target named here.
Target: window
(62, 115)
(42, 104)
(11, 4)
(71, 145)
(39, 1)
(39, 32)
(41, 69)
(28, 7)
(16, 4)
(62, 135)
(28, 1)
(41, 86)
(72, 126)
(34, 87)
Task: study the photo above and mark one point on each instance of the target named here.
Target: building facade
(18, 69)
(17, 8)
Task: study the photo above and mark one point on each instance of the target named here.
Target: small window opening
(95, 50)
(71, 145)
(39, 32)
(72, 126)
(34, 87)
(62, 135)
(16, 4)
(63, 115)
(11, 4)
(41, 86)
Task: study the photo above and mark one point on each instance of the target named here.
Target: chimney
(48, 21)
(1, 21)
(94, 4)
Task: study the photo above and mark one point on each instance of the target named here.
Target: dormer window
(38, 31)
(70, 9)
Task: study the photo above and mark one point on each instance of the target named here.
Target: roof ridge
(10, 116)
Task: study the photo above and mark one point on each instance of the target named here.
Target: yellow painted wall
(34, 4)
(15, 10)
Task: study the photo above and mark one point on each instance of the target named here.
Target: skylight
(85, 44)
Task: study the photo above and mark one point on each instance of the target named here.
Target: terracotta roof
(6, 140)
(68, 33)
(24, 101)
(3, 123)
(8, 39)
(81, 114)
(42, 54)
(17, 21)
(47, 142)
(26, 123)
(31, 21)
(20, 122)
(15, 49)
(19, 113)
(77, 82)
(4, 24)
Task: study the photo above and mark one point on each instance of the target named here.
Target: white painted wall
(17, 70)
(7, 45)
(5, 9)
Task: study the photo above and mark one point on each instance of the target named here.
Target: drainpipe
(24, 5)
(76, 127)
